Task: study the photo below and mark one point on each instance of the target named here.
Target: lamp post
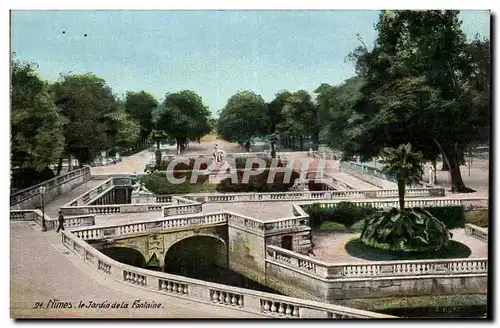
(42, 200)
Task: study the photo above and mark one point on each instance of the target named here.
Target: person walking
(61, 222)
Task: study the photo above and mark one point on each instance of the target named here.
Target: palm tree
(404, 165)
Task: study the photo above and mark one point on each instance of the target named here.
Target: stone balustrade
(424, 202)
(144, 227)
(476, 232)
(321, 269)
(112, 209)
(299, 221)
(51, 223)
(246, 300)
(311, 195)
(92, 194)
(171, 210)
(29, 197)
(359, 167)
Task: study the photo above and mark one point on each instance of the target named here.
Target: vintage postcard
(244, 164)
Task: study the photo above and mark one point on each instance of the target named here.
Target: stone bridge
(271, 252)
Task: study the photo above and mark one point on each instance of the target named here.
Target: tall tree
(37, 138)
(122, 129)
(86, 102)
(140, 107)
(418, 79)
(335, 106)
(183, 116)
(301, 116)
(243, 117)
(274, 113)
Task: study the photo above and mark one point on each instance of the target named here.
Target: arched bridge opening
(206, 258)
(192, 256)
(125, 255)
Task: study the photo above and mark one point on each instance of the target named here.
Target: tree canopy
(37, 138)
(243, 117)
(183, 116)
(420, 76)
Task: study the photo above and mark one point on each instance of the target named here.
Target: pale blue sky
(214, 53)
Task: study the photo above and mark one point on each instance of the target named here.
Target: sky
(214, 53)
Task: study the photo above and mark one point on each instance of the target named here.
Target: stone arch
(127, 255)
(194, 252)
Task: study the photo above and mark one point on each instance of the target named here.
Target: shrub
(451, 216)
(348, 214)
(315, 186)
(344, 213)
(410, 230)
(158, 184)
(257, 183)
(26, 177)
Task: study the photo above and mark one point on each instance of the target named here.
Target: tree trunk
(59, 166)
(457, 184)
(70, 162)
(435, 171)
(445, 166)
(158, 152)
(273, 149)
(401, 193)
(293, 142)
(301, 142)
(315, 140)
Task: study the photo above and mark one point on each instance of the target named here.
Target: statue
(218, 160)
(430, 170)
(140, 189)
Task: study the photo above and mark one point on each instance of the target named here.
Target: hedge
(158, 183)
(239, 161)
(258, 183)
(348, 214)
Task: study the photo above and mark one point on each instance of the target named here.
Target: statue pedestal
(137, 198)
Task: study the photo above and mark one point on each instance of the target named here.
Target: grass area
(357, 249)
(479, 218)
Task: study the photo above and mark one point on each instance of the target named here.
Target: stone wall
(246, 253)
(29, 198)
(298, 284)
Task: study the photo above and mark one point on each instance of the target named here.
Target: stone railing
(478, 202)
(112, 209)
(181, 206)
(145, 227)
(476, 232)
(323, 155)
(92, 194)
(359, 167)
(311, 266)
(311, 195)
(299, 221)
(51, 223)
(52, 190)
(245, 300)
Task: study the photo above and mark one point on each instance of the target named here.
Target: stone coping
(476, 232)
(397, 268)
(260, 227)
(51, 223)
(92, 193)
(267, 304)
(21, 195)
